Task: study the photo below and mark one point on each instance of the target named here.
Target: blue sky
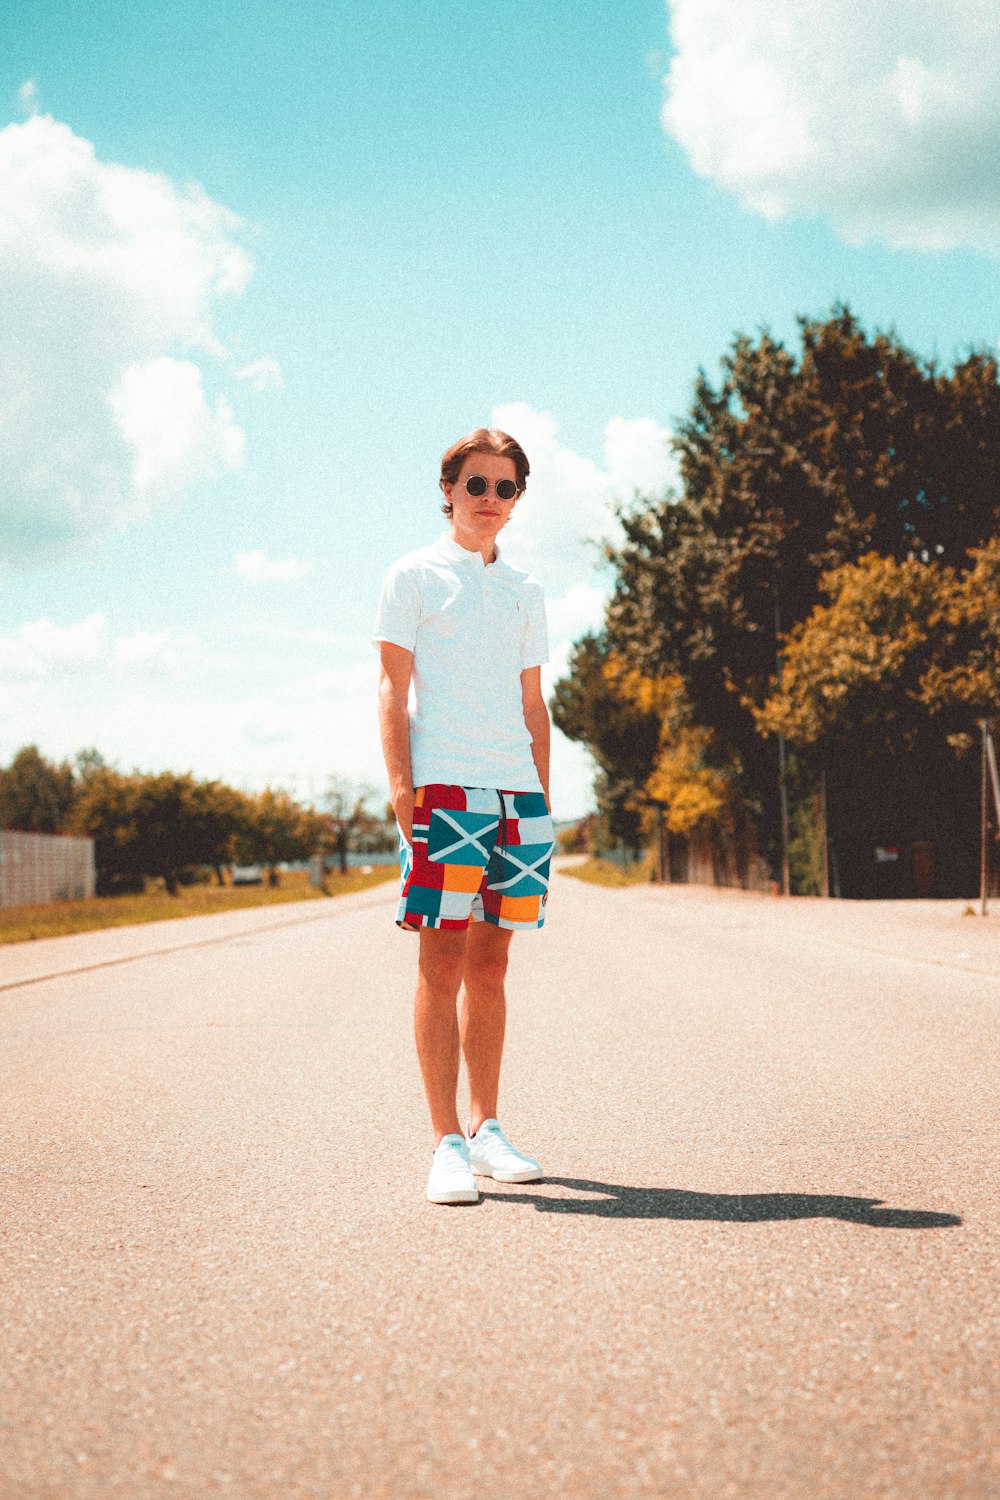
(411, 218)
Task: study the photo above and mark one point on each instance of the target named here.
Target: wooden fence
(36, 868)
(710, 857)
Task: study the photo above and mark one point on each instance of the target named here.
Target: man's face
(481, 516)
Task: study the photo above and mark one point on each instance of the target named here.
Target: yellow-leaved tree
(682, 779)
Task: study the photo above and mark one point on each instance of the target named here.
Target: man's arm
(394, 724)
(536, 717)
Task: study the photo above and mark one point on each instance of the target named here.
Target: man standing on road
(468, 769)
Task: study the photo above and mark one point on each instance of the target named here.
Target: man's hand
(402, 806)
(536, 718)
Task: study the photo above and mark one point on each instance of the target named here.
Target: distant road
(763, 1262)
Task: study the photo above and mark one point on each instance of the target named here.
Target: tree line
(175, 827)
(828, 572)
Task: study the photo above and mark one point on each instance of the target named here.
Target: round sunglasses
(506, 489)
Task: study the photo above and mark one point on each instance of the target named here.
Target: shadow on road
(620, 1202)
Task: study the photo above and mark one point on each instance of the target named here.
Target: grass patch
(604, 872)
(22, 923)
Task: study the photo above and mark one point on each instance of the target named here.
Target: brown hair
(483, 440)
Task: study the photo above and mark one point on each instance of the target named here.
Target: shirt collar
(449, 548)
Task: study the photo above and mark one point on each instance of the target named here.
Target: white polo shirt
(473, 628)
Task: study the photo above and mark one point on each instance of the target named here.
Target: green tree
(275, 831)
(902, 651)
(166, 820)
(217, 816)
(36, 795)
(792, 465)
(970, 678)
(155, 825)
(88, 762)
(106, 810)
(622, 736)
(351, 822)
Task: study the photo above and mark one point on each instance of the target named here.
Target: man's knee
(488, 974)
(486, 960)
(442, 960)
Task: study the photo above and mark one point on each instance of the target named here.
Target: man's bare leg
(484, 1015)
(435, 1024)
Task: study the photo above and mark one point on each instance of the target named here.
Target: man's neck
(485, 546)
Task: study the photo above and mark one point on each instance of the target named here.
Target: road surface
(763, 1262)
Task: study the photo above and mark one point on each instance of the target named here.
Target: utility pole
(662, 858)
(983, 829)
(824, 886)
(786, 884)
(989, 773)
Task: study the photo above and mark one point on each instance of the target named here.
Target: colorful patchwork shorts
(478, 855)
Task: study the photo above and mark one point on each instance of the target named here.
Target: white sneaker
(451, 1179)
(492, 1155)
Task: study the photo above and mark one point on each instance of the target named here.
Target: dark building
(905, 825)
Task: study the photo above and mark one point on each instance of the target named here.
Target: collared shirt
(473, 628)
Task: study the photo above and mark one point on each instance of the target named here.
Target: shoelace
(451, 1158)
(496, 1138)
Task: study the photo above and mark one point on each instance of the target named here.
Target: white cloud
(42, 649)
(567, 506)
(108, 275)
(581, 608)
(151, 653)
(327, 717)
(568, 501)
(259, 568)
(570, 615)
(158, 700)
(174, 436)
(274, 632)
(27, 96)
(265, 723)
(885, 119)
(302, 703)
(349, 681)
(263, 374)
(638, 457)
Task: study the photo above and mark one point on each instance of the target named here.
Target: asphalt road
(763, 1262)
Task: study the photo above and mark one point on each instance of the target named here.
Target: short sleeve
(535, 636)
(399, 609)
